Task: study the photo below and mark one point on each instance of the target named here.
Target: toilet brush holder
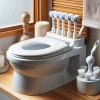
(91, 87)
(76, 42)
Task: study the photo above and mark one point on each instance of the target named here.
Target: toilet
(44, 63)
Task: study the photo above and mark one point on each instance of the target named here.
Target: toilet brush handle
(53, 25)
(80, 32)
(94, 47)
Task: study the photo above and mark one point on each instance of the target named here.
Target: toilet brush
(51, 14)
(90, 60)
(80, 32)
(62, 17)
(75, 18)
(25, 19)
(68, 18)
(56, 15)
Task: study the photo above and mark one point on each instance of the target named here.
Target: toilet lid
(40, 46)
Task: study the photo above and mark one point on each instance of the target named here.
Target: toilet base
(31, 86)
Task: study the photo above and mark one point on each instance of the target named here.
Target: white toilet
(44, 63)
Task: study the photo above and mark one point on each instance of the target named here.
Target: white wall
(6, 42)
(11, 11)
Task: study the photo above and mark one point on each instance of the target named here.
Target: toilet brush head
(75, 18)
(62, 15)
(51, 13)
(56, 14)
(68, 16)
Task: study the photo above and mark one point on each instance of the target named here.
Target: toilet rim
(28, 61)
(40, 57)
(63, 46)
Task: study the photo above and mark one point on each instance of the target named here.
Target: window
(11, 17)
(11, 12)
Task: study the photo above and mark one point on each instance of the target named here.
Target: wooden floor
(66, 92)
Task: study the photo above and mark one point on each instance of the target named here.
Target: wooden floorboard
(66, 92)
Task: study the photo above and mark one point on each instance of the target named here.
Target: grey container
(91, 87)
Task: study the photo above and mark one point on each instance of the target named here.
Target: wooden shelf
(66, 92)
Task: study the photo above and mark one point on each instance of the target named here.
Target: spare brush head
(57, 14)
(75, 18)
(51, 13)
(62, 15)
(68, 16)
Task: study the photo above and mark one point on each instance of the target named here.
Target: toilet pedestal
(31, 86)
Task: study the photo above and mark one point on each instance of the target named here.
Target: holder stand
(91, 87)
(76, 42)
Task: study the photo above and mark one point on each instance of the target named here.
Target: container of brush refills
(41, 28)
(91, 87)
(88, 83)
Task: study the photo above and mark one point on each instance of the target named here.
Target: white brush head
(56, 14)
(68, 16)
(51, 13)
(75, 18)
(62, 15)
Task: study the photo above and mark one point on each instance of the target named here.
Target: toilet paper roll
(41, 28)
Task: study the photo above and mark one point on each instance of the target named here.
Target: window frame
(39, 13)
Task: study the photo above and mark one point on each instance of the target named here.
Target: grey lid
(40, 46)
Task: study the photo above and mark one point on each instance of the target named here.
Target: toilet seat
(52, 47)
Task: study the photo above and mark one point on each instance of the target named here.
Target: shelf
(66, 92)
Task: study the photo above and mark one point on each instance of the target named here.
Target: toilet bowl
(44, 63)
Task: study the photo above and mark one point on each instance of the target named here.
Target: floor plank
(66, 92)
